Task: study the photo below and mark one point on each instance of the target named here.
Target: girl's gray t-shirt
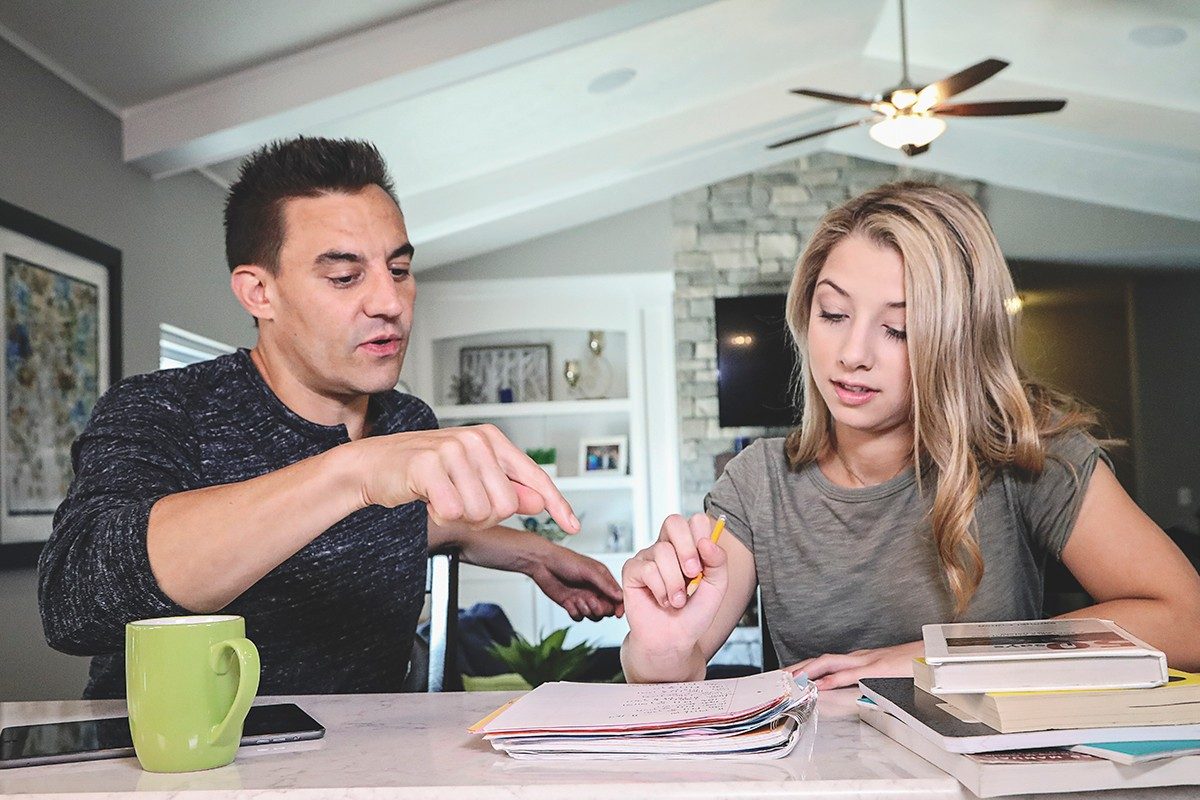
(842, 569)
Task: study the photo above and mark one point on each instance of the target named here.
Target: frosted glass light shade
(915, 129)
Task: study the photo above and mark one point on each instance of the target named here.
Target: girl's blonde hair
(972, 411)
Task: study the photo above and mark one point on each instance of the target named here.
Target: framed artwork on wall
(60, 297)
(504, 374)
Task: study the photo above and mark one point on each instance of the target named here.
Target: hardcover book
(1176, 702)
(1039, 655)
(937, 721)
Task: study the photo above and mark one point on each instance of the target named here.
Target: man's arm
(132, 541)
(93, 574)
(209, 545)
(581, 585)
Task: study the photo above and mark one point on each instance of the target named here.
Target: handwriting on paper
(682, 700)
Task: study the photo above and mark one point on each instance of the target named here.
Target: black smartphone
(91, 739)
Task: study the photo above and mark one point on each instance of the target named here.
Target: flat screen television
(755, 361)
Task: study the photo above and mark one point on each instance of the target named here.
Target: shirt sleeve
(1050, 502)
(94, 573)
(734, 492)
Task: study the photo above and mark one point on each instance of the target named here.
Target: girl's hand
(660, 614)
(834, 670)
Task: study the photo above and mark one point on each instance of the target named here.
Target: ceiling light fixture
(907, 131)
(907, 117)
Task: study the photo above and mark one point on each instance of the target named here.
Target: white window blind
(178, 348)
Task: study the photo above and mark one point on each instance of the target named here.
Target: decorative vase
(595, 380)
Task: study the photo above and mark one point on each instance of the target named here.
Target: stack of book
(1042, 706)
(759, 716)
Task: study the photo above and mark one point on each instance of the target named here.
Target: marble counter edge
(844, 789)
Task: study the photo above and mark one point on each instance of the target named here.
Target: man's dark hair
(301, 167)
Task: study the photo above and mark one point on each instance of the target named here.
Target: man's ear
(253, 286)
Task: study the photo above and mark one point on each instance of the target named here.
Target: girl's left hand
(834, 670)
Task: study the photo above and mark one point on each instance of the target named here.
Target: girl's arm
(1137, 575)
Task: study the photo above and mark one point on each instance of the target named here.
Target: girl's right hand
(662, 618)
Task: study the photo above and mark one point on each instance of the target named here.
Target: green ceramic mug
(189, 683)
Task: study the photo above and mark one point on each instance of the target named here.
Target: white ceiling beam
(595, 180)
(420, 53)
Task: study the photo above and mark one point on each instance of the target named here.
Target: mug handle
(247, 656)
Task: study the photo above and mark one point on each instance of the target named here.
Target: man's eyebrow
(844, 293)
(344, 257)
(338, 257)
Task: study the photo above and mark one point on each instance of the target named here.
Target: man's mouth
(382, 345)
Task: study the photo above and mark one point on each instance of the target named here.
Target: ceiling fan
(908, 117)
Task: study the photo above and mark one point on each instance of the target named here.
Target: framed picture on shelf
(62, 323)
(503, 374)
(603, 455)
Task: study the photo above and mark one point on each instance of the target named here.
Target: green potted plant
(548, 529)
(544, 661)
(546, 458)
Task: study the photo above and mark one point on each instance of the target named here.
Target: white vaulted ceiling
(483, 108)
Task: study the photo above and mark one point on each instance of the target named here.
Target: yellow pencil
(694, 583)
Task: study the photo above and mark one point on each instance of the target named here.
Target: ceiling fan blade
(837, 98)
(999, 108)
(821, 132)
(946, 88)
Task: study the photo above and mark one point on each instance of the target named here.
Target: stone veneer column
(742, 237)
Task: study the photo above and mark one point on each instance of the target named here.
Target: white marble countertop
(416, 746)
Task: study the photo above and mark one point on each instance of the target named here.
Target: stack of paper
(756, 716)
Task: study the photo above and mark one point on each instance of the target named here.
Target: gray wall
(1040, 228)
(61, 158)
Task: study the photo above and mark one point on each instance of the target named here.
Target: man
(290, 484)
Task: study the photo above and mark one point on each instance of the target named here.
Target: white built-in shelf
(548, 408)
(580, 483)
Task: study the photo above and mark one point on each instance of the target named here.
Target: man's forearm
(498, 547)
(209, 545)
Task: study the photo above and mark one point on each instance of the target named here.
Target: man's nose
(384, 295)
